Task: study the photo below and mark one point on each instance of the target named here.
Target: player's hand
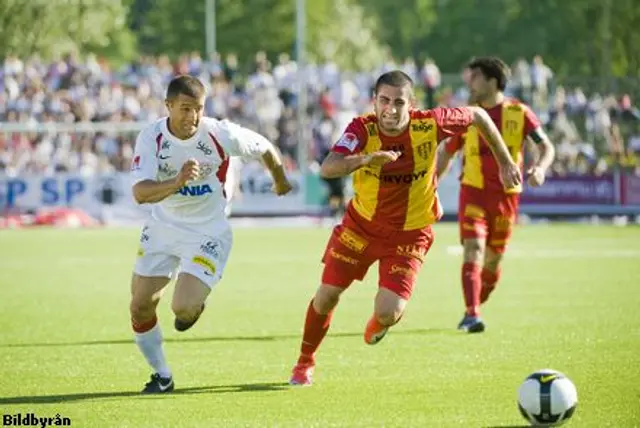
(510, 174)
(383, 157)
(282, 187)
(535, 176)
(189, 172)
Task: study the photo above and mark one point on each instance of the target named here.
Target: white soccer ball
(547, 398)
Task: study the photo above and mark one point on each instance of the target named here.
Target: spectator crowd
(594, 133)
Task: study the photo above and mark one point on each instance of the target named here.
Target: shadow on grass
(216, 389)
(273, 338)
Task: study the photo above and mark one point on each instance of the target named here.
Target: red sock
(315, 328)
(144, 326)
(471, 285)
(489, 282)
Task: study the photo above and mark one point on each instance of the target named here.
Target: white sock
(150, 344)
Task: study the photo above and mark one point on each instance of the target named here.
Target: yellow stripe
(472, 172)
(366, 182)
(422, 193)
(513, 133)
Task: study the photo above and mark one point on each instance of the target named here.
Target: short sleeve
(144, 165)
(531, 121)
(353, 139)
(452, 121)
(237, 140)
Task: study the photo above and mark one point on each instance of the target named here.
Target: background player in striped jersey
(393, 154)
(488, 206)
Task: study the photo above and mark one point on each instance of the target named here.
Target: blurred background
(79, 79)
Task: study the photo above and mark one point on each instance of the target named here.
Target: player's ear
(167, 103)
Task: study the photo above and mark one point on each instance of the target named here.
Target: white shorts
(167, 249)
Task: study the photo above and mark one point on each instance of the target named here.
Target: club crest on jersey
(204, 149)
(195, 190)
(165, 145)
(348, 141)
(424, 150)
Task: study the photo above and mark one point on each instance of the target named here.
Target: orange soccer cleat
(302, 374)
(374, 331)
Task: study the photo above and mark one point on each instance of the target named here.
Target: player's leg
(345, 260)
(153, 269)
(491, 272)
(145, 295)
(501, 230)
(202, 264)
(473, 232)
(188, 301)
(398, 271)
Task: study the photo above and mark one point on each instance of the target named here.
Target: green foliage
(53, 27)
(571, 35)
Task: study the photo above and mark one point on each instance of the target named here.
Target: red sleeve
(531, 121)
(453, 144)
(452, 121)
(353, 138)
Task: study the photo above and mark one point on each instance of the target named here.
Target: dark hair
(491, 67)
(396, 78)
(185, 85)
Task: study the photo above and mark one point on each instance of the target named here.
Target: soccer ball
(547, 398)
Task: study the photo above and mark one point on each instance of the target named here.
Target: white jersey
(159, 156)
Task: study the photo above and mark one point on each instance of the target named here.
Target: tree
(52, 27)
(336, 28)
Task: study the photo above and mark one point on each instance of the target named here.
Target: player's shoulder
(421, 114)
(153, 131)
(515, 104)
(363, 125)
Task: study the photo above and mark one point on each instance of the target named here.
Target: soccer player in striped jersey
(488, 205)
(392, 154)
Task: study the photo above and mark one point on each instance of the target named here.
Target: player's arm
(144, 169)
(446, 152)
(346, 157)
(250, 145)
(545, 158)
(150, 191)
(546, 152)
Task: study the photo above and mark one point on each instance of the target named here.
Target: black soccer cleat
(158, 385)
(181, 325)
(471, 324)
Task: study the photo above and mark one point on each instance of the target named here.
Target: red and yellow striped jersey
(515, 121)
(401, 195)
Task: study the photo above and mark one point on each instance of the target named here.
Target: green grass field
(569, 300)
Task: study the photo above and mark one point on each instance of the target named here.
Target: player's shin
(148, 337)
(316, 326)
(471, 287)
(489, 282)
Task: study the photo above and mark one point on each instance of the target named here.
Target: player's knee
(492, 260)
(326, 298)
(473, 250)
(141, 310)
(185, 312)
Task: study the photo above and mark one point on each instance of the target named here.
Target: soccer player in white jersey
(179, 166)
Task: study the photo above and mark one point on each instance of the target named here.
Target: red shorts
(355, 245)
(489, 216)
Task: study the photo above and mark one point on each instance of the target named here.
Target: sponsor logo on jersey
(204, 149)
(196, 190)
(398, 178)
